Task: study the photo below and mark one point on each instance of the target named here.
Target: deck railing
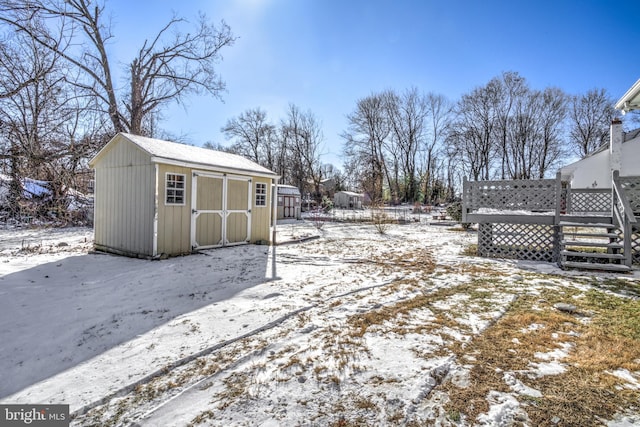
(588, 201)
(505, 231)
(623, 215)
(510, 195)
(535, 196)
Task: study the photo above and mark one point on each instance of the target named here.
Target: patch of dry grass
(470, 250)
(585, 393)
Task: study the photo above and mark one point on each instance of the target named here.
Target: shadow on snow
(57, 315)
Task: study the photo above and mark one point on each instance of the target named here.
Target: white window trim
(263, 194)
(166, 188)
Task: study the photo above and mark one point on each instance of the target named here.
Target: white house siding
(631, 157)
(596, 168)
(124, 201)
(590, 170)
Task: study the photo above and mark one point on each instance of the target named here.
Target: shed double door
(289, 205)
(220, 210)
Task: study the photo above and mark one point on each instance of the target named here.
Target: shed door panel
(208, 206)
(209, 194)
(209, 230)
(238, 210)
(221, 213)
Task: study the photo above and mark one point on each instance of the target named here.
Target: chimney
(615, 145)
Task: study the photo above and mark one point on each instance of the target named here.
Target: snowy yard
(356, 328)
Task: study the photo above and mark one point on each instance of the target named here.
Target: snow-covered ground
(340, 324)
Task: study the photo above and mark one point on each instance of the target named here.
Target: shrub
(454, 211)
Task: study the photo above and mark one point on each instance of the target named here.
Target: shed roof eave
(208, 167)
(630, 100)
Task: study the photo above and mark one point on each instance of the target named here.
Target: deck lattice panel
(635, 244)
(531, 242)
(513, 195)
(591, 202)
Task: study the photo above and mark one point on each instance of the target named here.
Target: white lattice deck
(522, 219)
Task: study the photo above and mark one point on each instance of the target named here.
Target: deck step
(596, 266)
(592, 255)
(586, 224)
(602, 235)
(566, 243)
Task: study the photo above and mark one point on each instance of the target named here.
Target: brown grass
(585, 394)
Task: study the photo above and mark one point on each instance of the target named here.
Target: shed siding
(261, 215)
(174, 221)
(124, 201)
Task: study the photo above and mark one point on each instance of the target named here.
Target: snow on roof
(31, 187)
(632, 134)
(288, 189)
(195, 155)
(351, 193)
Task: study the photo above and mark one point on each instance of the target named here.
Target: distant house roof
(626, 136)
(630, 100)
(350, 193)
(162, 151)
(30, 187)
(630, 140)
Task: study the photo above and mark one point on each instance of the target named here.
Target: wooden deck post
(558, 197)
(465, 195)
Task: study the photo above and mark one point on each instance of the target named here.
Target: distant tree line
(415, 147)
(410, 146)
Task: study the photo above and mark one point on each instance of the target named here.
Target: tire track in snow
(123, 391)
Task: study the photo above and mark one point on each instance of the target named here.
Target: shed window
(175, 189)
(261, 194)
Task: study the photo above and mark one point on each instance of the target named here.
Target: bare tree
(368, 129)
(47, 128)
(589, 118)
(511, 90)
(473, 132)
(550, 150)
(303, 137)
(439, 115)
(10, 83)
(166, 68)
(251, 134)
(508, 130)
(407, 117)
(633, 120)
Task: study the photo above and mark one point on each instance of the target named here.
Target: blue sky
(323, 55)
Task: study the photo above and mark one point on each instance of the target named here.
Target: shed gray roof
(163, 151)
(288, 189)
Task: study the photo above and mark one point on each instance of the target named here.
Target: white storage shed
(155, 197)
